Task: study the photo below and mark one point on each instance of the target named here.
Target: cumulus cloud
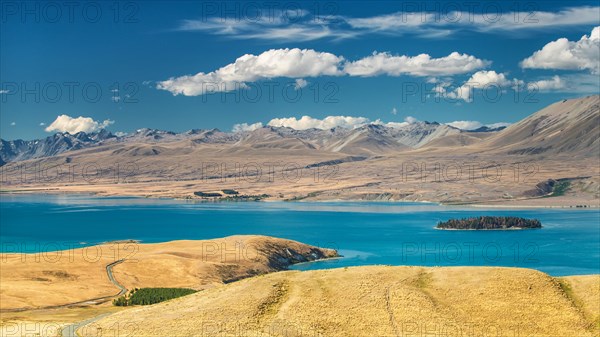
(410, 120)
(473, 125)
(246, 127)
(420, 65)
(479, 80)
(568, 55)
(555, 83)
(292, 63)
(491, 80)
(465, 125)
(349, 122)
(329, 122)
(487, 77)
(64, 123)
(13, 124)
(398, 125)
(298, 63)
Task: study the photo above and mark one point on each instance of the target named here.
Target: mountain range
(566, 126)
(556, 148)
(369, 139)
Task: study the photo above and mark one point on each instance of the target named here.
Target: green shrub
(146, 296)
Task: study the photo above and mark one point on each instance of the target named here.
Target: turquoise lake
(365, 233)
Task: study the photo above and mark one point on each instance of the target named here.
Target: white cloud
(491, 80)
(64, 123)
(4, 92)
(293, 63)
(307, 122)
(281, 26)
(410, 120)
(300, 83)
(555, 83)
(398, 125)
(394, 111)
(307, 26)
(498, 125)
(329, 122)
(473, 125)
(349, 122)
(395, 125)
(489, 21)
(13, 124)
(568, 55)
(299, 63)
(483, 79)
(465, 125)
(299, 33)
(420, 65)
(246, 127)
(581, 83)
(42, 124)
(120, 134)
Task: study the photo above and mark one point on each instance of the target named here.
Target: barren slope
(569, 126)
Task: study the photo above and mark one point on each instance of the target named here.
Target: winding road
(112, 278)
(71, 330)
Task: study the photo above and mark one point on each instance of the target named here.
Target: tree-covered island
(490, 223)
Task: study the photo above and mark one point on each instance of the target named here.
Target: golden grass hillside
(58, 278)
(585, 293)
(372, 301)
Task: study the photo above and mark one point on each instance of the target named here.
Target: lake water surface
(365, 233)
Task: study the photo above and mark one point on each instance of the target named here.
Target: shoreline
(57, 191)
(484, 230)
(338, 256)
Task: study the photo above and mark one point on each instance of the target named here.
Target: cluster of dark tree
(146, 296)
(207, 195)
(490, 222)
(230, 195)
(244, 197)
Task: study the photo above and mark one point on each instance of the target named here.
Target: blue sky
(124, 65)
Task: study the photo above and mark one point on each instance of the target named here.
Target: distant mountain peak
(566, 126)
